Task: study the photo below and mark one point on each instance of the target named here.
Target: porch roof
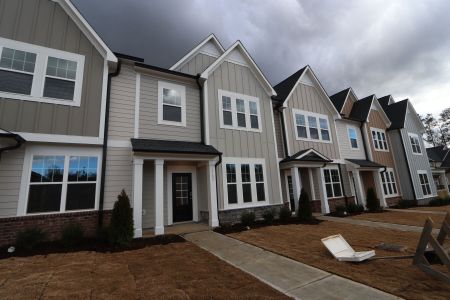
(307, 155)
(162, 146)
(364, 163)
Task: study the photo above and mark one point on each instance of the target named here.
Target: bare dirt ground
(173, 271)
(405, 218)
(445, 208)
(398, 277)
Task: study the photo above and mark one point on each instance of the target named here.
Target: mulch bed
(92, 244)
(238, 227)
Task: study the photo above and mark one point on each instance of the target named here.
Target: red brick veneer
(393, 201)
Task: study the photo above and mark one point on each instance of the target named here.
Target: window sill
(246, 205)
(169, 123)
(314, 141)
(379, 150)
(13, 96)
(58, 212)
(418, 154)
(241, 128)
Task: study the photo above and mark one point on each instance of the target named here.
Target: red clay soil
(398, 217)
(175, 271)
(398, 277)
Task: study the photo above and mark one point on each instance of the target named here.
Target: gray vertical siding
(308, 98)
(148, 113)
(346, 181)
(278, 133)
(238, 143)
(44, 23)
(344, 142)
(202, 193)
(11, 165)
(197, 64)
(148, 198)
(401, 165)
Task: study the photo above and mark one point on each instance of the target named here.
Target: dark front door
(182, 197)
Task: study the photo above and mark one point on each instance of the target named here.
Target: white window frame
(416, 137)
(307, 114)
(349, 138)
(181, 89)
(383, 132)
(391, 175)
(238, 161)
(247, 99)
(332, 182)
(67, 152)
(40, 73)
(423, 172)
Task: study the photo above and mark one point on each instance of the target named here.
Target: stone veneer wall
(52, 224)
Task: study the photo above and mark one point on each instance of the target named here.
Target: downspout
(202, 121)
(283, 130)
(105, 145)
(217, 185)
(407, 165)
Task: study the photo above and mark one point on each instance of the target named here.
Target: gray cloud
(383, 47)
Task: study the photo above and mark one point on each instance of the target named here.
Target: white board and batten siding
(239, 79)
(197, 64)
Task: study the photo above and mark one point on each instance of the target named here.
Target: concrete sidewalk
(373, 224)
(427, 212)
(290, 277)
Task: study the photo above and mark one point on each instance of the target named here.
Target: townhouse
(405, 134)
(204, 140)
(439, 160)
(53, 92)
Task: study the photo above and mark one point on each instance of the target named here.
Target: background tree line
(437, 130)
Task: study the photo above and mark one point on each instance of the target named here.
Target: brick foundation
(234, 215)
(333, 203)
(316, 206)
(52, 224)
(393, 201)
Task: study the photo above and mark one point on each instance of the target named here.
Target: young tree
(431, 134)
(304, 208)
(444, 130)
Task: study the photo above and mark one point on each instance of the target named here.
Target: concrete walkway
(286, 275)
(427, 212)
(374, 224)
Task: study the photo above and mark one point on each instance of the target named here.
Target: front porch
(173, 184)
(441, 182)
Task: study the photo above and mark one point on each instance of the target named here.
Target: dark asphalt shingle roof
(311, 157)
(396, 113)
(285, 87)
(437, 153)
(384, 101)
(361, 108)
(161, 146)
(338, 99)
(365, 163)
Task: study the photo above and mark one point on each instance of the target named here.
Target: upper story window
(171, 104)
(311, 126)
(379, 139)
(240, 112)
(353, 137)
(424, 183)
(35, 73)
(415, 144)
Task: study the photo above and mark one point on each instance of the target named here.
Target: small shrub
(353, 208)
(269, 216)
(121, 227)
(439, 202)
(341, 210)
(406, 203)
(248, 218)
(30, 238)
(373, 203)
(285, 214)
(72, 234)
(304, 207)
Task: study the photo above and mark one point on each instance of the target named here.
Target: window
(245, 184)
(311, 126)
(379, 139)
(332, 183)
(291, 192)
(171, 104)
(61, 183)
(424, 183)
(388, 182)
(239, 112)
(34, 73)
(353, 137)
(415, 144)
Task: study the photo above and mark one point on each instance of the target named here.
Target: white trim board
(59, 138)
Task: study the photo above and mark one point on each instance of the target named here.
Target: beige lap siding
(11, 165)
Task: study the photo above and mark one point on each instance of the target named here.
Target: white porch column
(138, 164)
(379, 188)
(359, 188)
(212, 195)
(159, 196)
(323, 192)
(296, 186)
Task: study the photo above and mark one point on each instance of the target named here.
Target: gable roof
(361, 108)
(396, 112)
(339, 98)
(257, 71)
(307, 155)
(287, 86)
(438, 153)
(384, 101)
(88, 31)
(210, 38)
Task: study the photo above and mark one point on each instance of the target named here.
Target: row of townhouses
(204, 140)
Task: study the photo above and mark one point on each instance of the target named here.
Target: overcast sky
(383, 47)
